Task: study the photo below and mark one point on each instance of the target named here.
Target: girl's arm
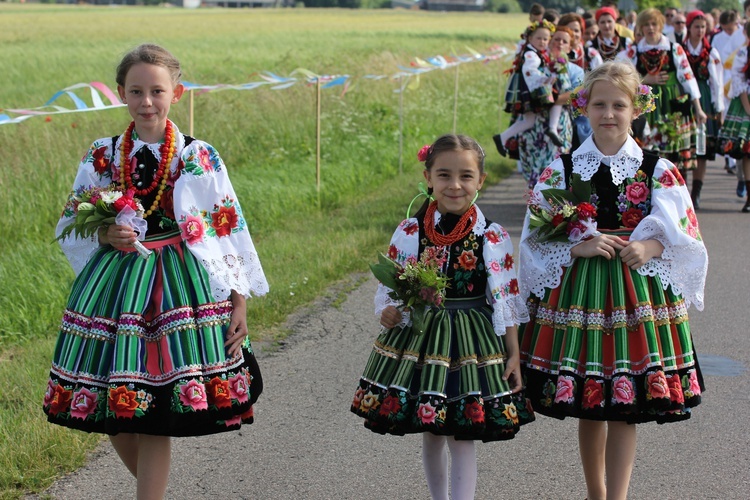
(637, 253)
(237, 330)
(513, 363)
(686, 78)
(535, 78)
(716, 80)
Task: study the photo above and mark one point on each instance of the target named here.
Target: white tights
(527, 121)
(463, 467)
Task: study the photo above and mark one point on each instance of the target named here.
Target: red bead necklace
(463, 227)
(161, 176)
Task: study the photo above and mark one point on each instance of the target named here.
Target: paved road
(306, 444)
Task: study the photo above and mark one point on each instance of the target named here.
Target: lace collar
(662, 45)
(479, 225)
(138, 144)
(695, 51)
(624, 164)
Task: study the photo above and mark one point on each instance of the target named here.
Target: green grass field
(306, 240)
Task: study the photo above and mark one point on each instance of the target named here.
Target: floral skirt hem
(447, 381)
(734, 137)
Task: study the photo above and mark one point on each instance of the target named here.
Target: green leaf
(385, 272)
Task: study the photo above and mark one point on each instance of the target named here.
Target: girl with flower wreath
(156, 347)
(709, 74)
(608, 341)
(530, 91)
(666, 68)
(459, 380)
(734, 137)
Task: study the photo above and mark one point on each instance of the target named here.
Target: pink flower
(622, 389)
(564, 391)
(692, 217)
(84, 403)
(426, 413)
(667, 179)
(695, 387)
(192, 229)
(358, 395)
(636, 192)
(423, 153)
(675, 389)
(233, 421)
(495, 266)
(238, 387)
(204, 158)
(50, 392)
(657, 385)
(546, 174)
(193, 394)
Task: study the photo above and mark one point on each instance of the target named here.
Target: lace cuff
(510, 313)
(241, 272)
(542, 265)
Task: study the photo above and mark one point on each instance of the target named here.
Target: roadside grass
(307, 240)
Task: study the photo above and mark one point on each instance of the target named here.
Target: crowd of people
(695, 62)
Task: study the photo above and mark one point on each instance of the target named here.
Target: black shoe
(556, 140)
(746, 208)
(695, 194)
(499, 145)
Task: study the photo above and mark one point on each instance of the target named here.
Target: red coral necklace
(463, 227)
(162, 173)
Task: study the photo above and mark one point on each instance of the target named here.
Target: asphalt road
(305, 444)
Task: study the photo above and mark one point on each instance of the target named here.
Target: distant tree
(502, 6)
(708, 5)
(658, 4)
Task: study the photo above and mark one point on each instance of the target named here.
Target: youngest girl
(530, 86)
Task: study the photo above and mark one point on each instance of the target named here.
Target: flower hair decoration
(424, 153)
(538, 24)
(644, 101)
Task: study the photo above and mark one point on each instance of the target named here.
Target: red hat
(606, 10)
(692, 16)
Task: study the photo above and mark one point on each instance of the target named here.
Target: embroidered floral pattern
(593, 394)
(202, 161)
(689, 225)
(125, 402)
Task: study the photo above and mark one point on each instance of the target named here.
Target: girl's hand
(237, 330)
(390, 317)
(659, 78)
(700, 116)
(120, 237)
(513, 372)
(604, 245)
(637, 253)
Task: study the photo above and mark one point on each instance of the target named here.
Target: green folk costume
(606, 342)
(141, 345)
(448, 380)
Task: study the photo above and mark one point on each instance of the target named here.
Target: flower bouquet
(567, 215)
(98, 207)
(559, 64)
(417, 285)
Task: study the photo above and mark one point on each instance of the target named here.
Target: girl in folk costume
(584, 56)
(610, 259)
(157, 346)
(608, 43)
(665, 66)
(707, 68)
(734, 137)
(454, 375)
(530, 85)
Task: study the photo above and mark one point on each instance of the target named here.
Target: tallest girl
(157, 347)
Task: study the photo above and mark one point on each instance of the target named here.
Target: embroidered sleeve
(541, 264)
(212, 223)
(672, 221)
(532, 71)
(508, 308)
(739, 81)
(93, 171)
(404, 248)
(629, 54)
(685, 72)
(716, 80)
(595, 58)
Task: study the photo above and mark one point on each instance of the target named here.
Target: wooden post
(500, 95)
(317, 140)
(192, 111)
(455, 101)
(402, 86)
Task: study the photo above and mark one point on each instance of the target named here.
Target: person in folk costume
(155, 347)
(456, 379)
(609, 341)
(608, 42)
(734, 136)
(709, 74)
(670, 129)
(529, 89)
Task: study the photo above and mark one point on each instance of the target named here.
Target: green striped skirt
(610, 344)
(672, 126)
(447, 381)
(734, 137)
(141, 349)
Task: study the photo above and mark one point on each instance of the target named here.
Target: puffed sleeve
(93, 171)
(629, 54)
(739, 80)
(672, 221)
(404, 248)
(685, 72)
(213, 225)
(541, 263)
(576, 75)
(508, 308)
(716, 80)
(532, 73)
(595, 58)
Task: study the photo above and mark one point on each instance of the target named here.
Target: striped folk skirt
(734, 137)
(610, 344)
(141, 349)
(672, 126)
(447, 381)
